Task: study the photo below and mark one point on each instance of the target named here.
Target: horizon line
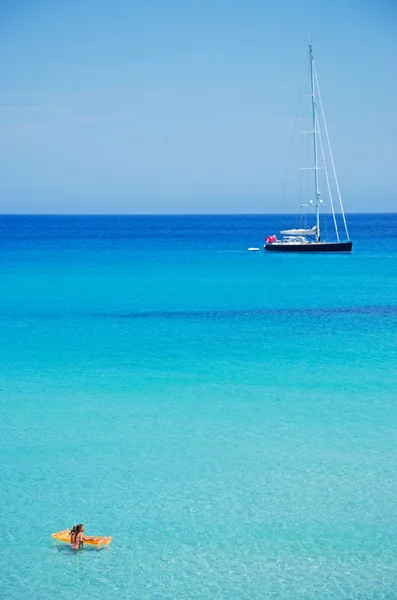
(32, 214)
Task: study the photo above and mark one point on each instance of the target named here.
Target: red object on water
(270, 239)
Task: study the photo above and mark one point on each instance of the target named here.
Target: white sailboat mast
(315, 127)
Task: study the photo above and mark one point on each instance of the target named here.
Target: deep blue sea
(228, 417)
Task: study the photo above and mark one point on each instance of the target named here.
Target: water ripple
(386, 311)
(209, 314)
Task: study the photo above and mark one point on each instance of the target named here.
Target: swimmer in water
(77, 536)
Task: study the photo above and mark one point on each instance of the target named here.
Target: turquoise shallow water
(229, 417)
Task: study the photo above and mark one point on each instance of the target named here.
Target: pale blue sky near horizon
(177, 107)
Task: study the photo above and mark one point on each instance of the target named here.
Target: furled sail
(311, 231)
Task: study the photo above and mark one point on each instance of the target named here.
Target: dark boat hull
(311, 247)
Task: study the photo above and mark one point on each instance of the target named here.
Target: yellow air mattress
(93, 540)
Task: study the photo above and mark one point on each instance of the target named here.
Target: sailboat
(313, 239)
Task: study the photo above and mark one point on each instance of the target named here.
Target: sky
(171, 106)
